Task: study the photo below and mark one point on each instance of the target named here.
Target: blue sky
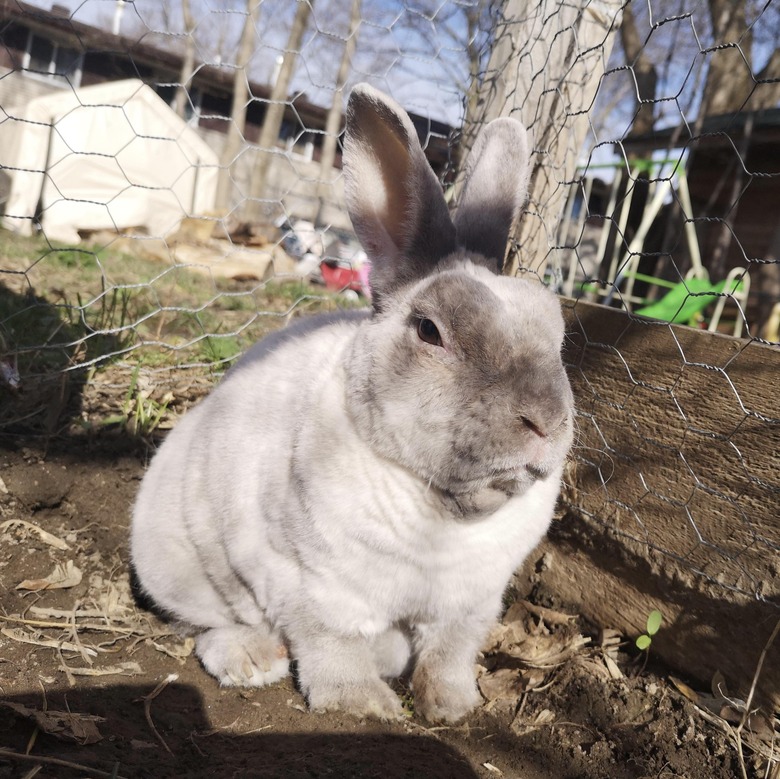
(414, 50)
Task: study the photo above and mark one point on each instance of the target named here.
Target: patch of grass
(220, 349)
(64, 309)
(141, 415)
(85, 304)
(70, 258)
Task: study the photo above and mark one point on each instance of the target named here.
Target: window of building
(46, 59)
(300, 144)
(193, 100)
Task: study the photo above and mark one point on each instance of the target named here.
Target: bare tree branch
(333, 122)
(643, 70)
(181, 98)
(235, 133)
(274, 113)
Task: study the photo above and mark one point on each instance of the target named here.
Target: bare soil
(160, 715)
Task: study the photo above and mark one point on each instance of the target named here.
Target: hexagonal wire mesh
(662, 204)
(170, 188)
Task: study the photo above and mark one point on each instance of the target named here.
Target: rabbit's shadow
(128, 746)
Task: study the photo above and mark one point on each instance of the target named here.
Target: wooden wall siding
(675, 490)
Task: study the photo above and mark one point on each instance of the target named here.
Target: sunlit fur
(356, 497)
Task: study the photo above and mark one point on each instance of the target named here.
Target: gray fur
(352, 495)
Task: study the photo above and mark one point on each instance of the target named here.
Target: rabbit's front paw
(242, 655)
(444, 697)
(370, 698)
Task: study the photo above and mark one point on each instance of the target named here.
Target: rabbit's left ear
(495, 189)
(393, 197)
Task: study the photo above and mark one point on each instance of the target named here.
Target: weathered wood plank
(675, 490)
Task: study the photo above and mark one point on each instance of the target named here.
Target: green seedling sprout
(654, 619)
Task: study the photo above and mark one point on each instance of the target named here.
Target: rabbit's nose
(544, 399)
(535, 426)
(545, 425)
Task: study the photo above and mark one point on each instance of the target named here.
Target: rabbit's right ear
(495, 189)
(393, 197)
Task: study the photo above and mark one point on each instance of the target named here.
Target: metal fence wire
(170, 190)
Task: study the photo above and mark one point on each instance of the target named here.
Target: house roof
(716, 130)
(57, 23)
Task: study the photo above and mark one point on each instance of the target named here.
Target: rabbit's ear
(495, 189)
(394, 199)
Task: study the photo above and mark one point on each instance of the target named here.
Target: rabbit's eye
(428, 332)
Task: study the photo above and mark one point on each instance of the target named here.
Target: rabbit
(357, 492)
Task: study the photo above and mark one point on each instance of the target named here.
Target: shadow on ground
(40, 345)
(129, 747)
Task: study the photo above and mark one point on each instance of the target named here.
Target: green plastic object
(686, 299)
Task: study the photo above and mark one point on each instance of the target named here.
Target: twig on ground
(194, 743)
(746, 713)
(64, 666)
(10, 754)
(74, 632)
(147, 699)
(759, 668)
(25, 638)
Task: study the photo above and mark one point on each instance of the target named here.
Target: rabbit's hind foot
(243, 655)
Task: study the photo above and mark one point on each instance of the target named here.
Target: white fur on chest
(400, 561)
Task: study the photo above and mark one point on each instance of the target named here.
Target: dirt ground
(94, 686)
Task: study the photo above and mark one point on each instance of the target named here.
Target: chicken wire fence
(170, 190)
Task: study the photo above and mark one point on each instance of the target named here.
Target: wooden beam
(674, 491)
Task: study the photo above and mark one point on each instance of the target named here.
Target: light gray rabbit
(359, 489)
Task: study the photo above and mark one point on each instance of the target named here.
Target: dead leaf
(547, 651)
(718, 685)
(517, 612)
(730, 710)
(687, 691)
(504, 635)
(62, 577)
(761, 727)
(179, 652)
(64, 725)
(44, 535)
(501, 685)
(593, 666)
(550, 616)
(612, 667)
(509, 683)
(138, 744)
(493, 639)
(522, 727)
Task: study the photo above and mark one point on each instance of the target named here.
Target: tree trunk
(544, 69)
(235, 133)
(181, 99)
(472, 94)
(767, 92)
(717, 259)
(333, 123)
(644, 72)
(729, 89)
(729, 80)
(274, 113)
